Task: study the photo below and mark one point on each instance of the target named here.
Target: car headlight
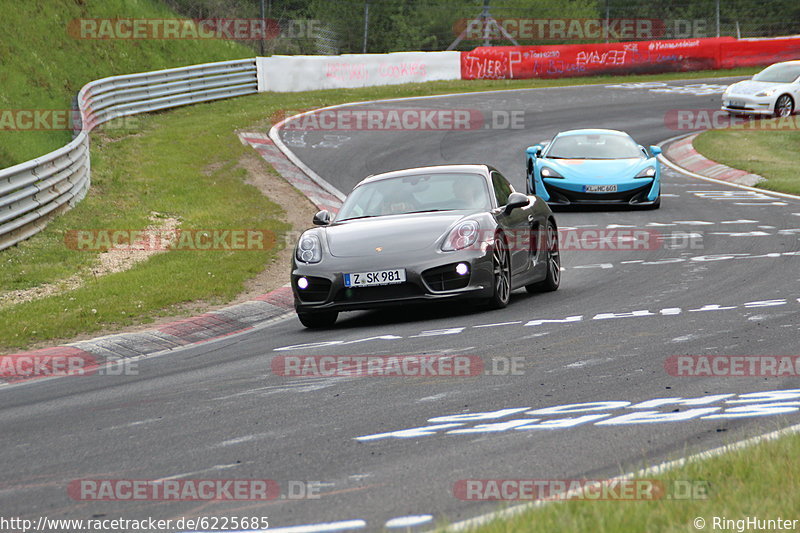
(309, 249)
(462, 236)
(547, 172)
(648, 172)
(768, 92)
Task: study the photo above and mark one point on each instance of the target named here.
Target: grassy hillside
(43, 67)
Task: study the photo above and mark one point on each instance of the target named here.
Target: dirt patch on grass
(298, 212)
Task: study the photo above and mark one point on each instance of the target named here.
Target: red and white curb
(321, 196)
(683, 154)
(92, 355)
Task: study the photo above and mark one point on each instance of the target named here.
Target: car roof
(592, 131)
(483, 170)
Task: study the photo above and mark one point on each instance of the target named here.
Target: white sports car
(773, 91)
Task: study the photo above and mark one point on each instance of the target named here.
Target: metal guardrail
(33, 192)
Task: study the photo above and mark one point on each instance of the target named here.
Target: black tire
(318, 320)
(784, 106)
(552, 280)
(501, 266)
(530, 184)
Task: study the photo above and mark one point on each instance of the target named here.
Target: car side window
(502, 188)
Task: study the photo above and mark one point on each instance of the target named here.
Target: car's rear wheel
(552, 280)
(319, 319)
(501, 264)
(784, 106)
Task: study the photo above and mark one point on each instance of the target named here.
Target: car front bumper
(428, 280)
(637, 191)
(749, 105)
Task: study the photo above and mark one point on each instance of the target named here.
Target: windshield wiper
(429, 211)
(358, 218)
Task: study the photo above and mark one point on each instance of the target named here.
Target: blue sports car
(594, 166)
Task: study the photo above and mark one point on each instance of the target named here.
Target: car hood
(750, 87)
(596, 169)
(392, 234)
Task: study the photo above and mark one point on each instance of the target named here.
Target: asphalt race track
(723, 280)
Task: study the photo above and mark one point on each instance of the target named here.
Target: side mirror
(535, 150)
(515, 200)
(322, 218)
(655, 150)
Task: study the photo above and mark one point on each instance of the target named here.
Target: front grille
(445, 278)
(562, 195)
(382, 292)
(317, 290)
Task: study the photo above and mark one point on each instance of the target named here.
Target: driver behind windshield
(398, 201)
(469, 193)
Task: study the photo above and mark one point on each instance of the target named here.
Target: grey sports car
(425, 234)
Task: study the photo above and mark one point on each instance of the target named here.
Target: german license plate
(736, 103)
(599, 188)
(376, 277)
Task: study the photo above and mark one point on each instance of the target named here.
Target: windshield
(594, 146)
(417, 193)
(779, 74)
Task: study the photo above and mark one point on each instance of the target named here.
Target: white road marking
(497, 324)
(643, 313)
(754, 203)
(312, 528)
(214, 468)
(745, 405)
(433, 398)
(409, 521)
(134, 424)
(598, 265)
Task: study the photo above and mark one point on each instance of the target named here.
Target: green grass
(42, 67)
(162, 165)
(772, 154)
(760, 481)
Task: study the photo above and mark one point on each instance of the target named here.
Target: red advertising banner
(558, 61)
(757, 52)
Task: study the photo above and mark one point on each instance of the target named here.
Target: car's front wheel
(501, 264)
(319, 319)
(552, 280)
(784, 106)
